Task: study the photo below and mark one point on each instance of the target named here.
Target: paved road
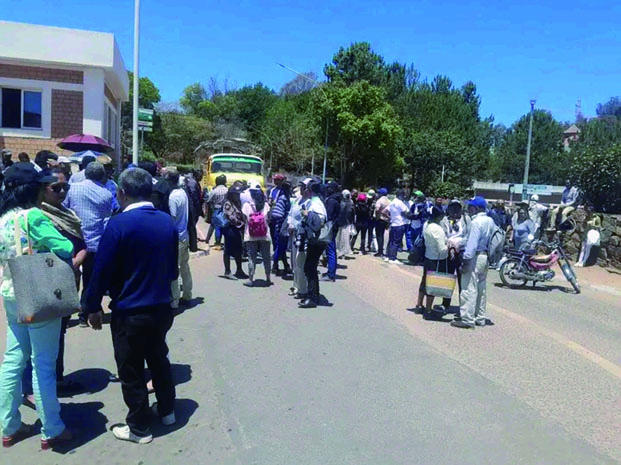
(364, 381)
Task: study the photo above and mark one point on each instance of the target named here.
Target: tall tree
(356, 63)
(611, 108)
(547, 154)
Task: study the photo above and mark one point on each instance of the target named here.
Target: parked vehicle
(236, 167)
(518, 267)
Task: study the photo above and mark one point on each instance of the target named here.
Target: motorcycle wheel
(569, 274)
(505, 270)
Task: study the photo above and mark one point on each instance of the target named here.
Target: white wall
(93, 102)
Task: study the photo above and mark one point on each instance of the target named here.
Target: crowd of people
(131, 240)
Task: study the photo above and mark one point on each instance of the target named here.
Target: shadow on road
(93, 380)
(184, 409)
(188, 305)
(85, 421)
(181, 373)
(544, 288)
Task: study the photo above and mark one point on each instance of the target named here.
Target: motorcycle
(518, 267)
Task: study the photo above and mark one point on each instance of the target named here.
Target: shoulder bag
(45, 287)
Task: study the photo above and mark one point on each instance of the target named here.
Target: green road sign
(145, 115)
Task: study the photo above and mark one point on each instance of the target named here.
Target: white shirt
(315, 204)
(397, 209)
(435, 241)
(179, 210)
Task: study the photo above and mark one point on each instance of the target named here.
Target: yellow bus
(236, 167)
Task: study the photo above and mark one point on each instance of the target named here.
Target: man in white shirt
(399, 213)
(473, 296)
(179, 206)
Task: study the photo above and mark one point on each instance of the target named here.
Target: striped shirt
(93, 205)
(217, 196)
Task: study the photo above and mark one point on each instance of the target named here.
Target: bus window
(235, 167)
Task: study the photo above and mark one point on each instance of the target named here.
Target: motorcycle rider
(473, 297)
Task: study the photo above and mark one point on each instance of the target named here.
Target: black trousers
(87, 272)
(380, 232)
(192, 234)
(136, 339)
(313, 254)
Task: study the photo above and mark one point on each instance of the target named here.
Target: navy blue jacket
(136, 262)
(333, 206)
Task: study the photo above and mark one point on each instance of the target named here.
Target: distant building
(570, 134)
(55, 82)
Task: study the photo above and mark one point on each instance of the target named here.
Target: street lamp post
(325, 146)
(527, 165)
(136, 79)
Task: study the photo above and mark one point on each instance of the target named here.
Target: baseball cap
(25, 173)
(371, 192)
(383, 191)
(535, 198)
(307, 181)
(255, 185)
(278, 177)
(419, 194)
(478, 202)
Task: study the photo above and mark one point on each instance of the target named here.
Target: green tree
(611, 108)
(356, 63)
(148, 97)
(253, 102)
(364, 129)
(179, 136)
(597, 172)
(547, 155)
(193, 96)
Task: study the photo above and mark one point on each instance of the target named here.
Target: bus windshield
(236, 166)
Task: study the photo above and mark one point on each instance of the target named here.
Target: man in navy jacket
(136, 263)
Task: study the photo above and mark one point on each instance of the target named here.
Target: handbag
(220, 220)
(439, 284)
(45, 286)
(325, 234)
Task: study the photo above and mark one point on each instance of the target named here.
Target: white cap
(534, 198)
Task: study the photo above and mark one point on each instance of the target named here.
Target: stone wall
(67, 113)
(38, 73)
(31, 145)
(610, 239)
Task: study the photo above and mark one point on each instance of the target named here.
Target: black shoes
(239, 274)
(461, 324)
(307, 303)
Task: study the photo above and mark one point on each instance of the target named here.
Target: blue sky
(554, 51)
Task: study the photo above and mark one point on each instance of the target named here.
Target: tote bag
(44, 285)
(439, 284)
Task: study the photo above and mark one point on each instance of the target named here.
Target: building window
(20, 109)
(109, 124)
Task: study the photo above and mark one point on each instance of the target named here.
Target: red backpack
(257, 226)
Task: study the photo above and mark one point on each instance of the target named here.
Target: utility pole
(530, 139)
(136, 79)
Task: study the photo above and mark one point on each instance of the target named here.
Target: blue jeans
(395, 239)
(331, 255)
(408, 238)
(39, 342)
(280, 243)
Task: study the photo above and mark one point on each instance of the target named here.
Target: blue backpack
(219, 220)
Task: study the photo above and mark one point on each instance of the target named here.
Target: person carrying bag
(23, 226)
(436, 281)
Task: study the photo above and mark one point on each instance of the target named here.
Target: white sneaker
(123, 433)
(386, 259)
(394, 262)
(168, 420)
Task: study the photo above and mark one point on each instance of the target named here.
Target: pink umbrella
(81, 142)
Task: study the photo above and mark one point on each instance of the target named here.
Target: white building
(55, 82)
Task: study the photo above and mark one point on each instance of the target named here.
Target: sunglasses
(57, 188)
